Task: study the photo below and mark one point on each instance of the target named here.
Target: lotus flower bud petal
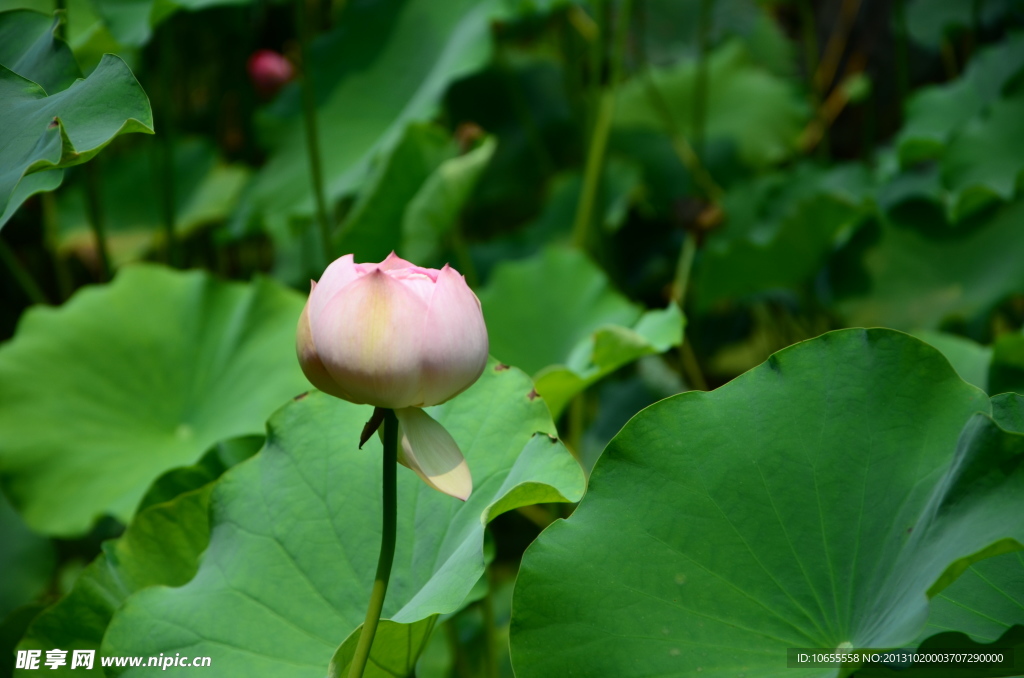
(365, 342)
(269, 71)
(310, 362)
(454, 330)
(392, 334)
(430, 451)
(393, 262)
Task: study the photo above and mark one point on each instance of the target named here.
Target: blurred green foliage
(649, 197)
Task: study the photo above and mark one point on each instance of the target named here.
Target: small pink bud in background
(399, 336)
(269, 71)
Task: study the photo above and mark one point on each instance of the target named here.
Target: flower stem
(312, 133)
(51, 233)
(94, 202)
(61, 6)
(592, 173)
(688, 359)
(599, 134)
(387, 546)
(21, 275)
(490, 627)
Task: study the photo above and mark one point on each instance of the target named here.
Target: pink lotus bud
(269, 71)
(403, 337)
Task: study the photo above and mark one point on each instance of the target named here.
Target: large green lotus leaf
(539, 309)
(779, 231)
(818, 500)
(84, 31)
(981, 612)
(40, 182)
(219, 458)
(985, 602)
(1006, 372)
(128, 380)
(1008, 411)
(385, 65)
(29, 46)
(970, 359)
(935, 113)
(66, 128)
(396, 647)
(763, 114)
(27, 561)
(161, 547)
(921, 182)
(206, 191)
(605, 351)
(557, 316)
(374, 227)
(915, 280)
(434, 211)
(984, 163)
(296, 533)
(998, 659)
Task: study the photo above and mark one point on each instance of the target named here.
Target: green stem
(62, 6)
(687, 358)
(21, 275)
(312, 132)
(683, 268)
(599, 136)
(51, 230)
(490, 630)
(577, 415)
(387, 546)
(95, 206)
(455, 647)
(592, 172)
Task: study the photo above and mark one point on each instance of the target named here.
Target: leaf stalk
(312, 131)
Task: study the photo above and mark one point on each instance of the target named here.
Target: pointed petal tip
(456, 483)
(460, 487)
